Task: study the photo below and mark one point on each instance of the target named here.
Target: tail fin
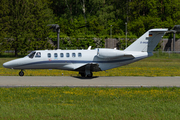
(148, 41)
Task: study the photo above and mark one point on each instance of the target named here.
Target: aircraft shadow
(85, 78)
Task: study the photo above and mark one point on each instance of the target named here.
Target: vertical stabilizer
(148, 41)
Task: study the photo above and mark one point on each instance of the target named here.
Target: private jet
(90, 60)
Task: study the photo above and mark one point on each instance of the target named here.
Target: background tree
(148, 14)
(25, 22)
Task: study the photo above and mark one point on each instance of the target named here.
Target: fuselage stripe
(73, 61)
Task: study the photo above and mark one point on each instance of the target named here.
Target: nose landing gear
(21, 73)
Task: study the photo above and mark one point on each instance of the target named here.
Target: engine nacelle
(109, 53)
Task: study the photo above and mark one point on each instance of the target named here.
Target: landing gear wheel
(90, 75)
(82, 74)
(21, 73)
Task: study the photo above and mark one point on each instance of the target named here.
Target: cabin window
(73, 55)
(79, 55)
(55, 55)
(61, 54)
(31, 55)
(38, 55)
(49, 55)
(67, 54)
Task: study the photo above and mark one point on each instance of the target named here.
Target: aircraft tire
(82, 74)
(90, 75)
(21, 73)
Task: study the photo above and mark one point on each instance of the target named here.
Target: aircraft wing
(92, 66)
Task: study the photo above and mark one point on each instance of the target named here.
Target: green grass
(90, 103)
(161, 64)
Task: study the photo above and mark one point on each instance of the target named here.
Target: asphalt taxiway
(61, 81)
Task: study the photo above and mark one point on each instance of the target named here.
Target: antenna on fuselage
(89, 48)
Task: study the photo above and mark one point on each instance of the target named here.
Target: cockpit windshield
(31, 55)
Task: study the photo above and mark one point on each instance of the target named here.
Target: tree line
(23, 23)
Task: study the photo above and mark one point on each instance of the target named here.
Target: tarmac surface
(61, 81)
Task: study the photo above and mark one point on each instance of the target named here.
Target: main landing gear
(83, 74)
(21, 73)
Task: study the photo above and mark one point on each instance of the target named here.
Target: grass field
(161, 64)
(90, 103)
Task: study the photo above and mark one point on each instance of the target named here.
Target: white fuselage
(74, 59)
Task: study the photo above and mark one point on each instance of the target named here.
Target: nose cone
(14, 64)
(7, 65)
(11, 64)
